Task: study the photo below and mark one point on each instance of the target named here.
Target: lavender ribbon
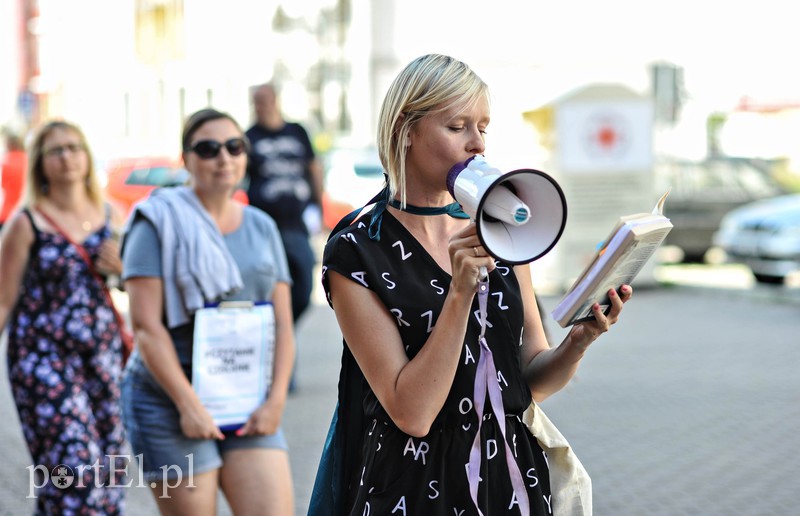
(486, 377)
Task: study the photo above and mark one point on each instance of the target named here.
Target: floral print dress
(64, 364)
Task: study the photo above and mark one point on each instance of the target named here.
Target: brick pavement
(688, 407)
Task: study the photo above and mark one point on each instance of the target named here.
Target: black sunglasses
(208, 149)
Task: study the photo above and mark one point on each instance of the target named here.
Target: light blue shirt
(255, 246)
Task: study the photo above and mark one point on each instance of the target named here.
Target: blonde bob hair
(429, 84)
(37, 186)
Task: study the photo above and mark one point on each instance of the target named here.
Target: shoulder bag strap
(81, 250)
(127, 337)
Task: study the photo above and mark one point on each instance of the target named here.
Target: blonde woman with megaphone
(438, 365)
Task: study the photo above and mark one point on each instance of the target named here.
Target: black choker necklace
(381, 200)
(452, 209)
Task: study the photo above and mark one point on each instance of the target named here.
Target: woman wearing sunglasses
(186, 247)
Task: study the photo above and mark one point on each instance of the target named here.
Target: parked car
(765, 236)
(702, 192)
(352, 177)
(130, 180)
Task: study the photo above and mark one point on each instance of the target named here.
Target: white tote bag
(570, 484)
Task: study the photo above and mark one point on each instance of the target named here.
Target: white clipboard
(232, 359)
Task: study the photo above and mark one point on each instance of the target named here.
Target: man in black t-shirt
(285, 180)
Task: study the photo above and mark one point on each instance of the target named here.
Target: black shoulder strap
(28, 214)
(36, 230)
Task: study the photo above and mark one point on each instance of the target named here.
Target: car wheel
(769, 279)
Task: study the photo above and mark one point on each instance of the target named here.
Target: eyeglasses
(209, 149)
(60, 150)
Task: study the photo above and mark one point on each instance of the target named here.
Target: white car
(765, 236)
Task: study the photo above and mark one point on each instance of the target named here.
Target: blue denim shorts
(152, 424)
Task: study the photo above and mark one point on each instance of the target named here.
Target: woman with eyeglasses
(64, 342)
(186, 247)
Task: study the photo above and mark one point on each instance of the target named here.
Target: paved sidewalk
(689, 406)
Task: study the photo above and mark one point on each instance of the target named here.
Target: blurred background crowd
(616, 99)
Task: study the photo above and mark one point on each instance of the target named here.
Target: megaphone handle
(483, 274)
(483, 296)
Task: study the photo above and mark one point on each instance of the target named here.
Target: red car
(130, 180)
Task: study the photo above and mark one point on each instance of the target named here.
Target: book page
(631, 243)
(628, 262)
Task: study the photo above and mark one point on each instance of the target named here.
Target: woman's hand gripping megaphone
(470, 261)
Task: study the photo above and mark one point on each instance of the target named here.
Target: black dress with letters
(390, 472)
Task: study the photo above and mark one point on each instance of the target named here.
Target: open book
(617, 261)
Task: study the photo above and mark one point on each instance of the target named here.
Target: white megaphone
(520, 215)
